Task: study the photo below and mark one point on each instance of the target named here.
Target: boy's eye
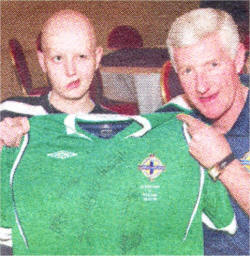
(82, 56)
(214, 64)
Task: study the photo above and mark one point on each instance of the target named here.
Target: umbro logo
(62, 154)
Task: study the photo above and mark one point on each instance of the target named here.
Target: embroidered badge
(151, 167)
(62, 154)
(245, 160)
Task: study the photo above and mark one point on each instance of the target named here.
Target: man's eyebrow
(184, 67)
(211, 61)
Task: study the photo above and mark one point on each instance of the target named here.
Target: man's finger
(189, 120)
(192, 123)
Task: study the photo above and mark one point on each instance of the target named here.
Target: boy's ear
(239, 59)
(98, 54)
(40, 56)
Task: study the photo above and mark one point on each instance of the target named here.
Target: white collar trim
(70, 124)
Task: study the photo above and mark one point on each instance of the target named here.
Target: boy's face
(70, 59)
(208, 76)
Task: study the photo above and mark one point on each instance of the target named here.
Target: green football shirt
(84, 184)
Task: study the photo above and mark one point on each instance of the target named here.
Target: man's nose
(70, 67)
(201, 83)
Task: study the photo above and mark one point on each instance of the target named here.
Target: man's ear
(40, 56)
(239, 59)
(98, 55)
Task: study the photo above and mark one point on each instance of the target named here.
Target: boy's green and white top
(108, 184)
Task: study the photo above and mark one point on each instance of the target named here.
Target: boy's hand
(12, 131)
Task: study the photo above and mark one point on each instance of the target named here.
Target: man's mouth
(74, 84)
(208, 99)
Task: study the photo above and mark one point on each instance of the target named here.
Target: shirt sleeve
(217, 212)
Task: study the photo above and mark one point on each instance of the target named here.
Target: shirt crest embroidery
(151, 167)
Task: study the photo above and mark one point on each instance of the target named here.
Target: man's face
(70, 60)
(208, 76)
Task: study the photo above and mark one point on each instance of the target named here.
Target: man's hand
(207, 145)
(12, 131)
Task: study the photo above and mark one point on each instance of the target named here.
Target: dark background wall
(23, 20)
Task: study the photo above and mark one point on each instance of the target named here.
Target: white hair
(197, 24)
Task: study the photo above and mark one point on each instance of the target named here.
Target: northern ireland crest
(151, 167)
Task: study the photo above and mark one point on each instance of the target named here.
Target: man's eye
(57, 58)
(214, 64)
(187, 71)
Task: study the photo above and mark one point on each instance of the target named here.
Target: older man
(207, 55)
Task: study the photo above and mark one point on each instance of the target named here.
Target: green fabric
(96, 200)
